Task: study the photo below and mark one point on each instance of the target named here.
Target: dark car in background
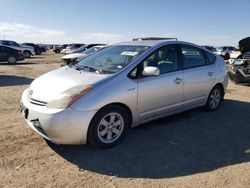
(58, 49)
(38, 49)
(28, 51)
(10, 54)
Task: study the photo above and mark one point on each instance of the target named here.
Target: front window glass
(165, 58)
(113, 58)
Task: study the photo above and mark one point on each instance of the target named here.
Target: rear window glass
(192, 57)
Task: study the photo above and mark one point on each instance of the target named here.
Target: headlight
(68, 97)
(239, 62)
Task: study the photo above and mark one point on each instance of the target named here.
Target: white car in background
(72, 47)
(27, 50)
(75, 57)
(228, 52)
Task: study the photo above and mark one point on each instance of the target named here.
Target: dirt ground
(191, 149)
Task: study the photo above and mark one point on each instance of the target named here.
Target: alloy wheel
(214, 98)
(110, 127)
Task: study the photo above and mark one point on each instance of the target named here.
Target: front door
(158, 95)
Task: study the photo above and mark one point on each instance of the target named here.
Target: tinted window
(165, 58)
(5, 42)
(192, 57)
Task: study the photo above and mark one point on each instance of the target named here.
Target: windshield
(113, 58)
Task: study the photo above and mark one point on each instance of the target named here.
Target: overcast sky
(210, 22)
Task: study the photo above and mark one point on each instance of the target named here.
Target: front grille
(37, 102)
(67, 61)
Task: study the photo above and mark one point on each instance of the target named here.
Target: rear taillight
(19, 52)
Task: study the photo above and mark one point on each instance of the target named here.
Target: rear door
(158, 95)
(198, 74)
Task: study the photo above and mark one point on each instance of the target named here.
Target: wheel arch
(26, 51)
(122, 105)
(117, 104)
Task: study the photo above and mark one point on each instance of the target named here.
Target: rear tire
(108, 126)
(26, 54)
(227, 56)
(11, 60)
(214, 99)
(38, 52)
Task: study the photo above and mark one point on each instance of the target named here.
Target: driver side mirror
(151, 71)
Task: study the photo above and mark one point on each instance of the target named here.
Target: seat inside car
(168, 61)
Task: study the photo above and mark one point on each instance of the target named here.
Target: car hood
(73, 56)
(244, 45)
(49, 85)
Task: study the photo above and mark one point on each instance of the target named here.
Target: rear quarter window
(210, 58)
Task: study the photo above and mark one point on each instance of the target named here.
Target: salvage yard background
(191, 149)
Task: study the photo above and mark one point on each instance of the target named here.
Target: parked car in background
(27, 50)
(10, 54)
(83, 48)
(38, 49)
(228, 52)
(211, 48)
(58, 49)
(73, 58)
(239, 70)
(71, 47)
(122, 86)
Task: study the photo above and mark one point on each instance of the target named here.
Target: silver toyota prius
(123, 86)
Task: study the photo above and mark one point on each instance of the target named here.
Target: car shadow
(184, 144)
(11, 80)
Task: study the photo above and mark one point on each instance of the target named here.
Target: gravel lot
(191, 149)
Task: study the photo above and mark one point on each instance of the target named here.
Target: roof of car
(144, 42)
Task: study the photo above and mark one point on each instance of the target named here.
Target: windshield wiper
(86, 67)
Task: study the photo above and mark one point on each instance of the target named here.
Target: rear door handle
(210, 73)
(177, 80)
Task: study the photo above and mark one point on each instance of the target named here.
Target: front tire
(108, 126)
(38, 52)
(214, 99)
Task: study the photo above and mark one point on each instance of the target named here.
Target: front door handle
(210, 73)
(177, 80)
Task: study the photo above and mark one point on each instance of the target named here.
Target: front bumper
(239, 75)
(20, 57)
(66, 126)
